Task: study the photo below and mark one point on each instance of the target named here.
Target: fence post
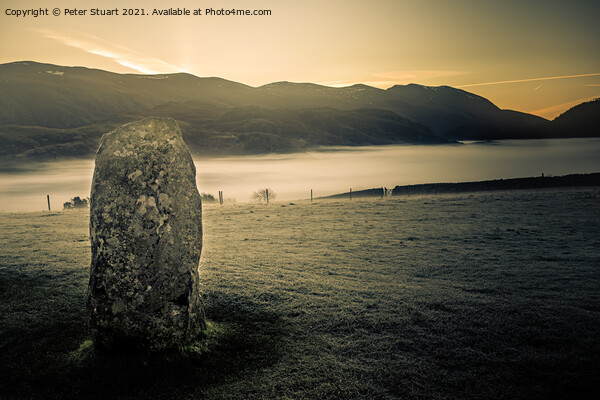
(48, 197)
(311, 195)
(350, 193)
(267, 192)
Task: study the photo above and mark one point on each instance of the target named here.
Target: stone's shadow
(241, 337)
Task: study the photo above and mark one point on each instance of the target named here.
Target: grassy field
(466, 296)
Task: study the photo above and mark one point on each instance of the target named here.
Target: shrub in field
(76, 202)
(207, 198)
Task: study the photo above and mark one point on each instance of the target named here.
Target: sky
(535, 56)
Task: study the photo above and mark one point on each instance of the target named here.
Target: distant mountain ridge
(49, 111)
(582, 120)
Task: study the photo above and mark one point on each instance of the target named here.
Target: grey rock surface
(146, 237)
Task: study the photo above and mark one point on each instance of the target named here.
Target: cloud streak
(529, 80)
(124, 56)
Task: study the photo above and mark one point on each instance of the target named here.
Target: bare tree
(264, 195)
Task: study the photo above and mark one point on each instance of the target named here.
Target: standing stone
(146, 236)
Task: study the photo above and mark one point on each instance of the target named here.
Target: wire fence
(57, 203)
(30, 204)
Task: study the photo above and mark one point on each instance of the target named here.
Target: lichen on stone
(146, 236)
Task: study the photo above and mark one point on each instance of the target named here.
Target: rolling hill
(582, 120)
(51, 111)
